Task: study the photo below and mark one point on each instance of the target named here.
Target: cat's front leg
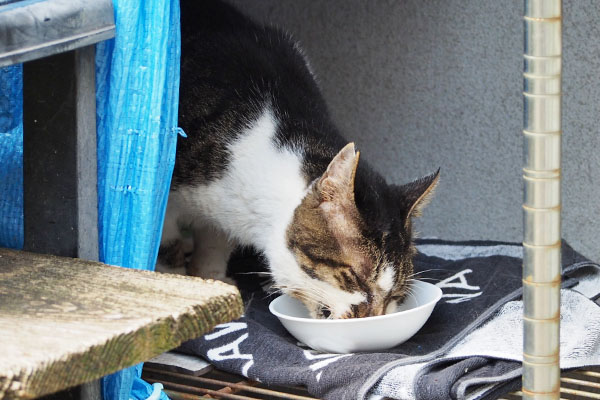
(171, 255)
(211, 252)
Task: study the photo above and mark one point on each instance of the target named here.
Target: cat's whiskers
(424, 279)
(319, 304)
(265, 273)
(310, 293)
(426, 270)
(410, 292)
(306, 292)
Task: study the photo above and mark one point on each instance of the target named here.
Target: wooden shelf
(31, 29)
(66, 321)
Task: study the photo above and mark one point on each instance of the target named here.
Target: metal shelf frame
(542, 198)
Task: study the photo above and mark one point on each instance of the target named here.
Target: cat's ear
(417, 194)
(337, 183)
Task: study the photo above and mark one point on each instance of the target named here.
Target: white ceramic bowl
(358, 334)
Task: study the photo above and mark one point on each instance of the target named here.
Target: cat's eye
(325, 311)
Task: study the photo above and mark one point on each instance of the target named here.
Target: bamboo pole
(542, 200)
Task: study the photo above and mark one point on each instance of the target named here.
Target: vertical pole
(542, 200)
(59, 155)
(60, 164)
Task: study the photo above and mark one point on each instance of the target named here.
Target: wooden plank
(66, 321)
(178, 362)
(36, 29)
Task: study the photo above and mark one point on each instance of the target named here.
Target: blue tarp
(137, 91)
(137, 81)
(11, 156)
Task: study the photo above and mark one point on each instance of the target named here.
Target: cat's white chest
(255, 200)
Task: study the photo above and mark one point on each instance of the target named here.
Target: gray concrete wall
(425, 83)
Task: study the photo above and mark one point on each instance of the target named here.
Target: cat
(263, 165)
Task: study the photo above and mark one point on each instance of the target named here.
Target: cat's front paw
(171, 258)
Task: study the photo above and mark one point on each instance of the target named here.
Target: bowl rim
(434, 301)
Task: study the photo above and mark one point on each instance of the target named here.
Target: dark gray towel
(480, 282)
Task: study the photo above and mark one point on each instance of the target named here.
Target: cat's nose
(365, 309)
(377, 311)
(375, 308)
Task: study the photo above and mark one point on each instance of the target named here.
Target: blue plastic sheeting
(128, 385)
(137, 97)
(11, 156)
(137, 91)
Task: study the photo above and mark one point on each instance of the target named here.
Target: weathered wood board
(67, 321)
(181, 363)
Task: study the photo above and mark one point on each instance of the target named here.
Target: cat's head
(354, 247)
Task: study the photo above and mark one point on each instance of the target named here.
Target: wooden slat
(178, 362)
(66, 321)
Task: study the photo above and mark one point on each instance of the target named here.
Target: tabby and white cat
(263, 165)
